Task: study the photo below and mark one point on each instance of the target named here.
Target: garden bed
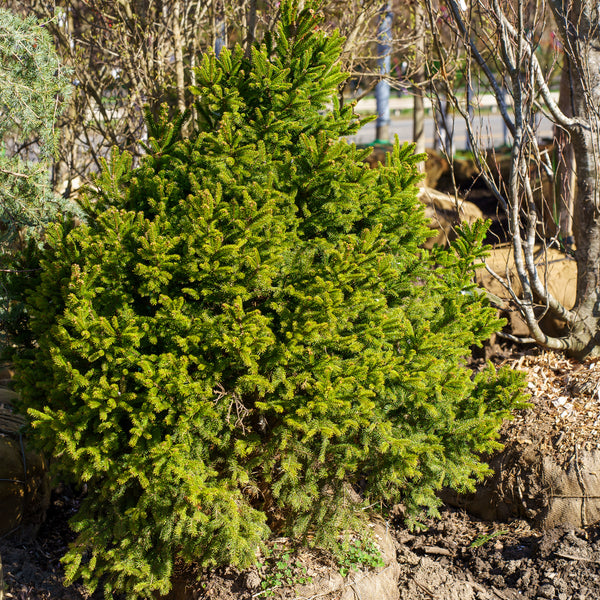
(516, 558)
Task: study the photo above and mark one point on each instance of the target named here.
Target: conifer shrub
(32, 87)
(245, 327)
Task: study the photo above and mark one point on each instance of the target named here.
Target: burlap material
(532, 484)
(24, 483)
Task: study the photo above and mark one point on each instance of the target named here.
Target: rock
(445, 213)
(546, 590)
(376, 585)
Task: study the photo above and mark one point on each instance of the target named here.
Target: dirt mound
(497, 560)
(549, 470)
(312, 574)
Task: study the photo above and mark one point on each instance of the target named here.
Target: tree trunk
(587, 239)
(419, 78)
(219, 28)
(565, 162)
(178, 44)
(382, 91)
(578, 21)
(251, 26)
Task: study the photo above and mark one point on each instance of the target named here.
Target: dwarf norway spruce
(246, 325)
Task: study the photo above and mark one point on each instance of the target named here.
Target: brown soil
(511, 560)
(32, 568)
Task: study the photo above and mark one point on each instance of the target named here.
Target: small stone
(546, 591)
